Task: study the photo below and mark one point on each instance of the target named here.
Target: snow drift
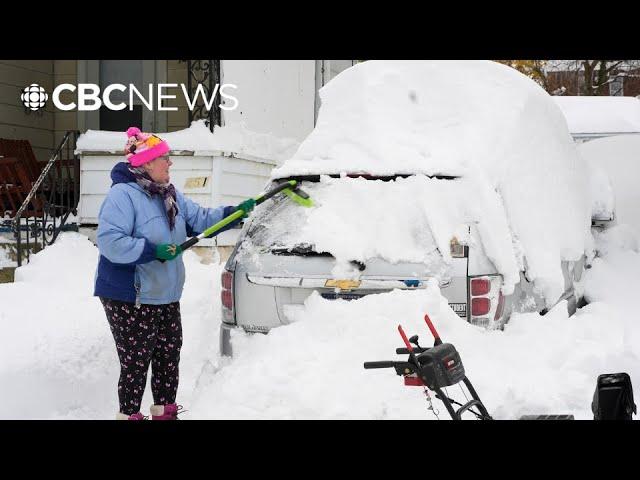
(58, 359)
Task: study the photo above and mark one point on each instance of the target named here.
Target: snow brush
(290, 188)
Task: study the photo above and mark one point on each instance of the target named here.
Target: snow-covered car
(614, 163)
(463, 172)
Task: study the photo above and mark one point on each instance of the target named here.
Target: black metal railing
(204, 75)
(53, 198)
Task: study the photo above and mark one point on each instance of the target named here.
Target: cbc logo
(34, 97)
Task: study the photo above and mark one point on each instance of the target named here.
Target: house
(274, 96)
(272, 99)
(567, 77)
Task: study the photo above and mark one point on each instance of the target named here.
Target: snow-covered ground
(58, 360)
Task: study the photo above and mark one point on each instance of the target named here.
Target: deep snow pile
(619, 158)
(198, 138)
(539, 365)
(57, 355)
(478, 119)
(58, 360)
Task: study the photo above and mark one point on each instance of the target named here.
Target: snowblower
(435, 368)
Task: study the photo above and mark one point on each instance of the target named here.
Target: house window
(125, 72)
(616, 87)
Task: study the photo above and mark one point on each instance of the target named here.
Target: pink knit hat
(143, 148)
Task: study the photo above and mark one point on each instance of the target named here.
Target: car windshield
(351, 219)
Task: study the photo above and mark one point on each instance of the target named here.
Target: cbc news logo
(34, 97)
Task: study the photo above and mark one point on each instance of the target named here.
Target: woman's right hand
(168, 251)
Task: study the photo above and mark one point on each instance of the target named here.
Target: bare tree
(590, 77)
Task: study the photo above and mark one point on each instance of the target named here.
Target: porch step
(7, 261)
(7, 274)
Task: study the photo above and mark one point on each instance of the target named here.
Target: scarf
(166, 190)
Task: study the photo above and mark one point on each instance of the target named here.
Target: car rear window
(355, 218)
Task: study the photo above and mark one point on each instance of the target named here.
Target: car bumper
(225, 339)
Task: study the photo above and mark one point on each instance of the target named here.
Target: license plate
(460, 309)
(342, 296)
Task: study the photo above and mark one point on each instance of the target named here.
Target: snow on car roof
(600, 114)
(434, 117)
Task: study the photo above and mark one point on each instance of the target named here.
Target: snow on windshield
(476, 119)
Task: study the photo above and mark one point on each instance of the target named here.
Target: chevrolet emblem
(342, 284)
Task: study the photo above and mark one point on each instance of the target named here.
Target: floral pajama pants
(144, 335)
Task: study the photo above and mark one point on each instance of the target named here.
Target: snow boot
(124, 416)
(165, 412)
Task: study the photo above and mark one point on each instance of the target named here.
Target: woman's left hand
(168, 251)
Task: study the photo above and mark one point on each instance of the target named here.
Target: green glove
(247, 206)
(168, 251)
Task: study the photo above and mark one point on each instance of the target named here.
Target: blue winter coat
(131, 223)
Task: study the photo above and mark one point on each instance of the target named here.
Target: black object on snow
(613, 398)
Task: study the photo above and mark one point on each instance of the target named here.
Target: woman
(143, 220)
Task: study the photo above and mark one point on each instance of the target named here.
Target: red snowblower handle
(406, 340)
(434, 332)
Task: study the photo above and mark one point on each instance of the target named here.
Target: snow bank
(58, 360)
(478, 119)
(57, 355)
(312, 368)
(234, 138)
(600, 114)
(619, 157)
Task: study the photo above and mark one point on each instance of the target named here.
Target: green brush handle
(286, 186)
(215, 227)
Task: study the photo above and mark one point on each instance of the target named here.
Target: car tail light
(226, 296)
(480, 306)
(227, 280)
(487, 301)
(500, 308)
(227, 299)
(480, 286)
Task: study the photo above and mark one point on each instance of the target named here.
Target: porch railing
(52, 199)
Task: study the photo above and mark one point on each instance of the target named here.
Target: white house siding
(275, 96)
(230, 180)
